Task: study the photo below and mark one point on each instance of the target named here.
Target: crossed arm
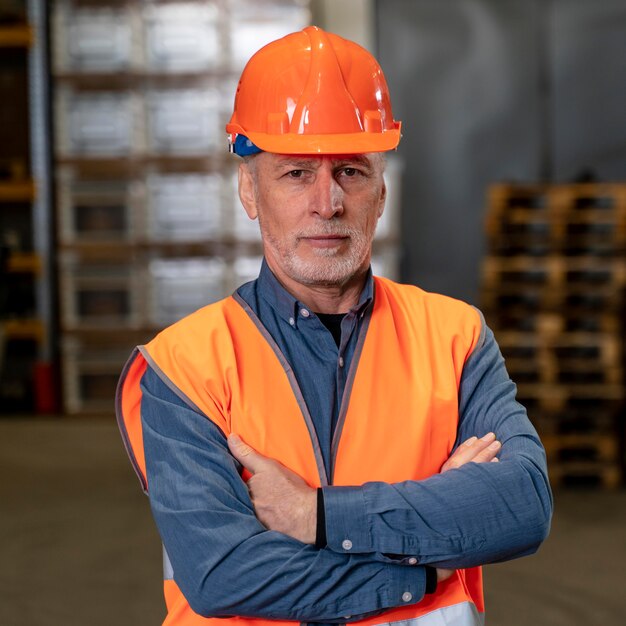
(284, 502)
(227, 562)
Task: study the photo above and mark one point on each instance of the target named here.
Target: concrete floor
(78, 547)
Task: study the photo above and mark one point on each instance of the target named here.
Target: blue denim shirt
(227, 563)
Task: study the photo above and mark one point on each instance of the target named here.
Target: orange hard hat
(313, 92)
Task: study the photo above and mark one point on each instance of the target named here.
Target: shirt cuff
(431, 579)
(347, 529)
(320, 530)
(407, 585)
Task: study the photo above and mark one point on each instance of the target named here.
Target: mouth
(325, 241)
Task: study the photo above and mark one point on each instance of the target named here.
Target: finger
(468, 450)
(488, 454)
(443, 574)
(247, 456)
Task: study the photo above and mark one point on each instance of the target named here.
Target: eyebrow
(300, 163)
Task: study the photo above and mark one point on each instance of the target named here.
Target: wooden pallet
(602, 241)
(602, 346)
(536, 299)
(551, 322)
(562, 412)
(571, 423)
(537, 220)
(504, 197)
(584, 196)
(605, 475)
(583, 448)
(553, 272)
(553, 398)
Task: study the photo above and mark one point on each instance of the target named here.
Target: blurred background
(119, 215)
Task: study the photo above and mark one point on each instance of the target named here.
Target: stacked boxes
(149, 223)
(553, 291)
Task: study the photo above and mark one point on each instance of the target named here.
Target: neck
(325, 298)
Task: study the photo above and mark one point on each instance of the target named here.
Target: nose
(327, 200)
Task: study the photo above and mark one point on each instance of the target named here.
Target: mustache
(327, 229)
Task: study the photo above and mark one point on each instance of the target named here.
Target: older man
(321, 446)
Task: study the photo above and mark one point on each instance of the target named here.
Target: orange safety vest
(400, 409)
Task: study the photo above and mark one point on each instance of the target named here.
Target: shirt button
(340, 361)
(407, 596)
(292, 321)
(412, 561)
(304, 312)
(346, 544)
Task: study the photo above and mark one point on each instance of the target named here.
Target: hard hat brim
(350, 143)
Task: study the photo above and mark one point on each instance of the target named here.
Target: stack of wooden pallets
(553, 286)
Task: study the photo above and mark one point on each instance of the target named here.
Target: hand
(474, 450)
(282, 500)
(444, 574)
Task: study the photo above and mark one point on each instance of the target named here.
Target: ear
(246, 190)
(382, 199)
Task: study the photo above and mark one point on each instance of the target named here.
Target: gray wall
(492, 90)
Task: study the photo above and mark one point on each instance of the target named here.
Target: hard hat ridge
(325, 105)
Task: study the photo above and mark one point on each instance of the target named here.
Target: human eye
(295, 173)
(350, 172)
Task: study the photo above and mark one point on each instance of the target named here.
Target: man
(362, 415)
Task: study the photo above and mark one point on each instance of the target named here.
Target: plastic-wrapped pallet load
(90, 375)
(184, 207)
(254, 24)
(180, 286)
(99, 295)
(183, 121)
(150, 223)
(98, 123)
(92, 210)
(182, 36)
(96, 38)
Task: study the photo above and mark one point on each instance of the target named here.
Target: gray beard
(331, 267)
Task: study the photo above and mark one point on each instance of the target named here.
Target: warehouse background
(118, 214)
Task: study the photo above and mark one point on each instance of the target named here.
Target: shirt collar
(287, 307)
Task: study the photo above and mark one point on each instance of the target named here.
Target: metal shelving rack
(40, 134)
(26, 353)
(129, 264)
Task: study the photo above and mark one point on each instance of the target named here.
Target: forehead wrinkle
(314, 161)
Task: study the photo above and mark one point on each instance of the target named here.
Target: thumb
(247, 456)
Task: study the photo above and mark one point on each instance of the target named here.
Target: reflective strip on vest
(463, 614)
(168, 570)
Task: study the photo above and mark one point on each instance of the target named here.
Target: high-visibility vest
(402, 414)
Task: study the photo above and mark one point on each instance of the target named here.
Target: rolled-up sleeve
(224, 560)
(476, 514)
